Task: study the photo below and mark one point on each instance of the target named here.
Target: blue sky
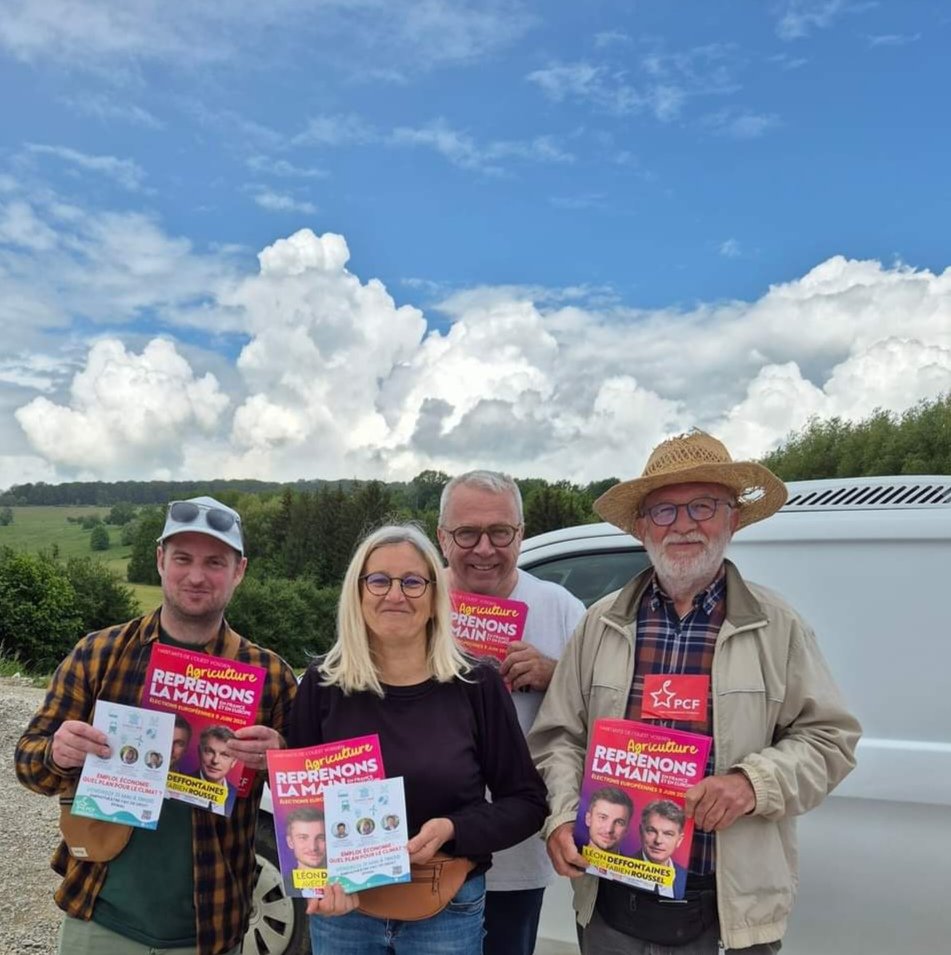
(359, 238)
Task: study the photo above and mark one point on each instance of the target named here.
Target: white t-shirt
(553, 614)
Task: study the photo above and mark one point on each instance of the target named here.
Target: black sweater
(449, 742)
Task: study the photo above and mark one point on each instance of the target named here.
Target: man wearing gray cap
(689, 644)
(187, 884)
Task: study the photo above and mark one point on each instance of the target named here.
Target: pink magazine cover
(631, 826)
(484, 626)
(211, 697)
(298, 779)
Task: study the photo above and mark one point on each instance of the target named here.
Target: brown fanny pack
(92, 840)
(432, 887)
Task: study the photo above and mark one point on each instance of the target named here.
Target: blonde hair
(349, 662)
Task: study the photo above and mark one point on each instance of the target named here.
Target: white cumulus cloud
(322, 343)
(337, 379)
(127, 414)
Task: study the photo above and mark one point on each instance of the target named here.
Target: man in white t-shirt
(480, 533)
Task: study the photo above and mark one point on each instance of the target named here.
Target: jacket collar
(224, 644)
(742, 608)
(150, 627)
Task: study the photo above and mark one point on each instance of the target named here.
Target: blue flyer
(367, 834)
(128, 786)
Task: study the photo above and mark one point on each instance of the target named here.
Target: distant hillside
(106, 493)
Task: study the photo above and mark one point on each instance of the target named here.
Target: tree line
(312, 533)
(915, 442)
(106, 493)
(299, 542)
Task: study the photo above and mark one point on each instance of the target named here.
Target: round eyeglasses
(700, 509)
(379, 584)
(500, 535)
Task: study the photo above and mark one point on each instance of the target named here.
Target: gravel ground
(29, 920)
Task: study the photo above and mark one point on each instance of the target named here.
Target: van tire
(278, 924)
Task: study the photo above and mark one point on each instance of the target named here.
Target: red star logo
(664, 692)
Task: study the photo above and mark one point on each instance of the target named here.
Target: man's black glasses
(466, 537)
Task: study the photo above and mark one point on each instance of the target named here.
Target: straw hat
(696, 457)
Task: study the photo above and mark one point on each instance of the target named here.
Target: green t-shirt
(149, 892)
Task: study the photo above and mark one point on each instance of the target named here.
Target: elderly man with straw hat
(690, 645)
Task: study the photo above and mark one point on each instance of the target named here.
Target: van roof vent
(869, 493)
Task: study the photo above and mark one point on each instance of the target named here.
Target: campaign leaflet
(366, 845)
(127, 786)
(298, 779)
(211, 697)
(484, 626)
(630, 825)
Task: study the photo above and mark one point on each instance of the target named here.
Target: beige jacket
(777, 716)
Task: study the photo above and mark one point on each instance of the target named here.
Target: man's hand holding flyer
(631, 825)
(484, 626)
(211, 697)
(128, 786)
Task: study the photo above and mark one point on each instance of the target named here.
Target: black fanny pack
(653, 918)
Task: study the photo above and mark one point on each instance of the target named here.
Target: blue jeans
(456, 930)
(511, 921)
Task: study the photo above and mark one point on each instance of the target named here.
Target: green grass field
(42, 528)
(39, 528)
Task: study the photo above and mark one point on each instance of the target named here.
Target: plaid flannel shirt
(111, 664)
(667, 644)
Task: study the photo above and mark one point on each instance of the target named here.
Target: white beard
(683, 577)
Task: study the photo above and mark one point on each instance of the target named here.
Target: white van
(866, 561)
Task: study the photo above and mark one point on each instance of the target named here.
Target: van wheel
(278, 924)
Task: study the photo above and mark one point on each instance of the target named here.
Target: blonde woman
(446, 725)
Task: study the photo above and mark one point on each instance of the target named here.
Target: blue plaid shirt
(667, 644)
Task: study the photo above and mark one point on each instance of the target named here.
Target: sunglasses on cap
(218, 519)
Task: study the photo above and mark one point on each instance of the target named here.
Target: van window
(591, 574)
